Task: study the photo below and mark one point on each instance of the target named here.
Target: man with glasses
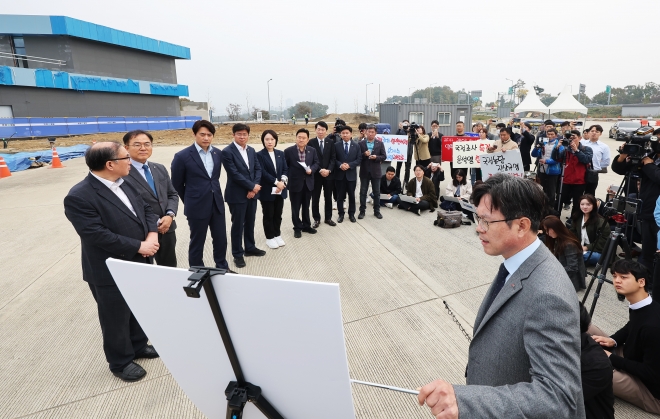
(601, 155)
(576, 157)
(113, 221)
(525, 352)
(153, 183)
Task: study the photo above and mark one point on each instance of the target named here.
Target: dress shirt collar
(239, 147)
(110, 184)
(513, 263)
(201, 149)
(139, 165)
(639, 304)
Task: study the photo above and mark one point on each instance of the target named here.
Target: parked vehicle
(622, 129)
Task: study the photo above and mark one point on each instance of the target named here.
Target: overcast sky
(326, 51)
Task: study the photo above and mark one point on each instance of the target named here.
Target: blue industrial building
(57, 66)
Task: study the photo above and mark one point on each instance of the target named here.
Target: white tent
(565, 102)
(531, 103)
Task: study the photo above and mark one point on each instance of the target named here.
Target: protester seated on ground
(566, 248)
(459, 187)
(389, 185)
(422, 189)
(596, 374)
(504, 143)
(634, 350)
(591, 229)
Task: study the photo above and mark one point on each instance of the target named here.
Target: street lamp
(409, 98)
(366, 98)
(268, 84)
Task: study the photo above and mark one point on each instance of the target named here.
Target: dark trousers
(327, 185)
(242, 226)
(423, 163)
(549, 184)
(572, 193)
(406, 176)
(649, 246)
(272, 212)
(122, 335)
(590, 188)
(375, 188)
(198, 228)
(300, 202)
(421, 206)
(166, 255)
(344, 187)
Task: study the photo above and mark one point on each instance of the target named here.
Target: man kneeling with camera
(634, 350)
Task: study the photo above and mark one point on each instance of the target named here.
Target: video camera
(567, 139)
(412, 131)
(640, 144)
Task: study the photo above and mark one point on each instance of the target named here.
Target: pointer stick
(403, 390)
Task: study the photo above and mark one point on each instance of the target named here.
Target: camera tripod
(617, 238)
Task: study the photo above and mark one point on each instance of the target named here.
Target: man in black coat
(324, 178)
(526, 143)
(153, 183)
(112, 220)
(302, 162)
(348, 159)
(373, 154)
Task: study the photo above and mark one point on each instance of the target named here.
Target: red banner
(448, 146)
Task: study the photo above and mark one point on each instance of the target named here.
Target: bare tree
(234, 111)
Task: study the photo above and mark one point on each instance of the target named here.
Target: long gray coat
(524, 359)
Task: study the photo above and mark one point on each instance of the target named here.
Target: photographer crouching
(641, 154)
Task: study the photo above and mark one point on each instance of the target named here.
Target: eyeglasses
(120, 158)
(485, 225)
(138, 146)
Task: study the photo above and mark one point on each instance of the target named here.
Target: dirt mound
(350, 118)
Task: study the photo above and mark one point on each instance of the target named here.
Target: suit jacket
(167, 199)
(328, 157)
(270, 174)
(524, 359)
(197, 190)
(428, 191)
(240, 178)
(107, 227)
(368, 166)
(394, 187)
(297, 175)
(353, 159)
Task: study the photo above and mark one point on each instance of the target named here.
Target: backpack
(449, 219)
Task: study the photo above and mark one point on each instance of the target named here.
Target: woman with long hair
(273, 182)
(566, 248)
(459, 186)
(591, 229)
(422, 153)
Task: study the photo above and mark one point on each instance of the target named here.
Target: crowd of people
(126, 208)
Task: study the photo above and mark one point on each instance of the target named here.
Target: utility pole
(268, 84)
(366, 98)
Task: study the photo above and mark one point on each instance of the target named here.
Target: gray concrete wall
(640, 110)
(39, 102)
(5, 46)
(99, 59)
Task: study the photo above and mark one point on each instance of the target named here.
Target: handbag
(449, 219)
(590, 175)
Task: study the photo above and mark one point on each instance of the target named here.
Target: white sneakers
(389, 205)
(279, 241)
(272, 243)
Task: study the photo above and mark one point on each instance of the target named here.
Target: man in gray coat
(524, 359)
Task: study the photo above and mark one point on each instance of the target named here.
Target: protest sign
(466, 153)
(509, 162)
(396, 147)
(448, 145)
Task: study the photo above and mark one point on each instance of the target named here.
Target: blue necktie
(497, 287)
(321, 144)
(346, 149)
(150, 179)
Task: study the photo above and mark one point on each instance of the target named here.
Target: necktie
(497, 287)
(321, 144)
(150, 179)
(346, 149)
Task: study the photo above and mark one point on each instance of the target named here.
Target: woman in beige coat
(422, 153)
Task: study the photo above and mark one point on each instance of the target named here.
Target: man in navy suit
(324, 178)
(348, 158)
(302, 162)
(243, 177)
(373, 154)
(196, 177)
(113, 220)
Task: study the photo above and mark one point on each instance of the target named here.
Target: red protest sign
(448, 146)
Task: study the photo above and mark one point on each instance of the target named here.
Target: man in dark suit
(347, 161)
(196, 177)
(302, 162)
(243, 177)
(112, 220)
(324, 178)
(373, 154)
(153, 183)
(524, 358)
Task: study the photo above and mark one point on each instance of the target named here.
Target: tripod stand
(617, 238)
(240, 391)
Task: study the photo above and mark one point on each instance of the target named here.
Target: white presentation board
(288, 335)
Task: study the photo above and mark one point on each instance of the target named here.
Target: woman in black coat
(563, 244)
(273, 182)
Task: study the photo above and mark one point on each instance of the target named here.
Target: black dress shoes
(297, 234)
(352, 218)
(148, 352)
(254, 252)
(361, 215)
(378, 215)
(309, 230)
(239, 262)
(316, 224)
(340, 219)
(330, 223)
(132, 372)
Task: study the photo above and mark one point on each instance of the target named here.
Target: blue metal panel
(157, 123)
(112, 124)
(22, 126)
(6, 76)
(168, 89)
(44, 78)
(136, 123)
(176, 122)
(24, 76)
(190, 120)
(104, 84)
(78, 126)
(7, 129)
(58, 25)
(47, 127)
(61, 80)
(25, 24)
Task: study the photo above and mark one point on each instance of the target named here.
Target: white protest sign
(509, 162)
(466, 154)
(396, 147)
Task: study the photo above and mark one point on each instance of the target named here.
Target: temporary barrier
(21, 161)
(58, 127)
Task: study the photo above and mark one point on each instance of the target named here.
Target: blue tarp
(21, 161)
(5, 75)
